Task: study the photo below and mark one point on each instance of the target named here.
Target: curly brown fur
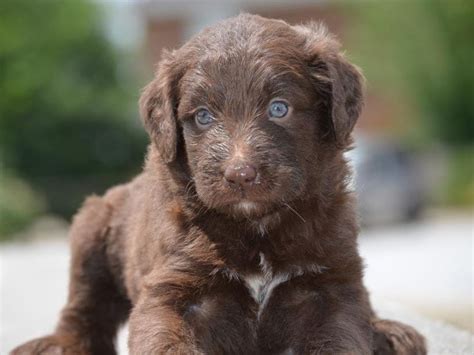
(205, 265)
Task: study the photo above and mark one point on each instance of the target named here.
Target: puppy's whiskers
(294, 211)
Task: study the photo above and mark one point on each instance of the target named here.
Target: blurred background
(70, 77)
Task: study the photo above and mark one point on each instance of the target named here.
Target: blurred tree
(19, 205)
(66, 120)
(423, 51)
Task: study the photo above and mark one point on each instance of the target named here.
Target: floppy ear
(338, 81)
(158, 104)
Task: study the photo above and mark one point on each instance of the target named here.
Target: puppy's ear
(339, 82)
(158, 104)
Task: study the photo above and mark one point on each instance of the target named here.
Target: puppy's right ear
(158, 104)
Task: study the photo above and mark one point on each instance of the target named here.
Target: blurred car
(388, 181)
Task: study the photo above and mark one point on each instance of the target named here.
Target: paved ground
(426, 266)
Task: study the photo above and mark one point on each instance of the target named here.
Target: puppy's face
(253, 102)
(248, 129)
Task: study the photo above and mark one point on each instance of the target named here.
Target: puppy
(239, 237)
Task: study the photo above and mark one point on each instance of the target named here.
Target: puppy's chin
(252, 204)
(247, 208)
(243, 209)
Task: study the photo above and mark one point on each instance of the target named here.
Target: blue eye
(203, 118)
(278, 109)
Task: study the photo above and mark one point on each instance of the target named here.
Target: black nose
(240, 174)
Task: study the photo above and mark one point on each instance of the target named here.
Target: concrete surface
(426, 266)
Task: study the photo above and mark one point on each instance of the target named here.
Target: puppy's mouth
(250, 205)
(253, 199)
(249, 200)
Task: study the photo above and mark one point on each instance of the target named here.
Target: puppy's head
(257, 107)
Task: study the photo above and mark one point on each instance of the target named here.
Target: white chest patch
(262, 284)
(261, 287)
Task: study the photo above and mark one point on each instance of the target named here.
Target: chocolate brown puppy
(240, 235)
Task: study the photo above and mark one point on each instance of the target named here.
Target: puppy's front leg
(185, 314)
(156, 328)
(307, 316)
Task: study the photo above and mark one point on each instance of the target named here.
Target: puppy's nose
(240, 174)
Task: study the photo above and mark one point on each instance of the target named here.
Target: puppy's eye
(203, 118)
(278, 109)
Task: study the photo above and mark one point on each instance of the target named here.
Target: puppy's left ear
(158, 104)
(338, 82)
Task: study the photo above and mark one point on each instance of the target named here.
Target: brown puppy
(240, 235)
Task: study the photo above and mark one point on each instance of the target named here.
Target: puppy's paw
(392, 338)
(50, 345)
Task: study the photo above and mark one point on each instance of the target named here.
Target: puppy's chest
(262, 282)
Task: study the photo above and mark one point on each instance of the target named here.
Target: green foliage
(19, 204)
(65, 117)
(422, 51)
(459, 188)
